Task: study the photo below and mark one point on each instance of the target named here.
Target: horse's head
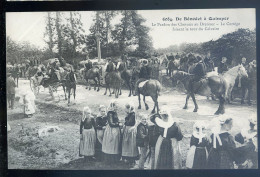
(242, 71)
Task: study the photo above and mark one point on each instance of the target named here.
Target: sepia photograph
(132, 89)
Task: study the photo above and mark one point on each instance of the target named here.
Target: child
(129, 148)
(198, 154)
(101, 122)
(87, 135)
(142, 140)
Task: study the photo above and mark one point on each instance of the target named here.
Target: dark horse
(93, 73)
(205, 87)
(70, 83)
(127, 76)
(150, 88)
(217, 85)
(114, 80)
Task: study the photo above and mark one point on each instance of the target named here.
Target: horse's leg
(106, 90)
(155, 104)
(187, 100)
(69, 89)
(98, 83)
(243, 94)
(109, 91)
(74, 91)
(194, 101)
(95, 83)
(130, 89)
(65, 90)
(146, 105)
(86, 83)
(221, 108)
(229, 95)
(249, 89)
(139, 100)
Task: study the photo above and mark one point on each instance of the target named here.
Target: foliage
(234, 46)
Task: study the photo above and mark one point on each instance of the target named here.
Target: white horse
(230, 77)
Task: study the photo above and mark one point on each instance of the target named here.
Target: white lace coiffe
(164, 124)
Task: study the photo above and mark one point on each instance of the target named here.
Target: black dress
(166, 148)
(111, 145)
(129, 148)
(222, 157)
(201, 152)
(101, 122)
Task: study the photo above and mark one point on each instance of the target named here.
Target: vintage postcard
(109, 90)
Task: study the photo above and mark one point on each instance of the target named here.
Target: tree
(125, 33)
(49, 32)
(59, 39)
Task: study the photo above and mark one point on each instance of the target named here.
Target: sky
(30, 26)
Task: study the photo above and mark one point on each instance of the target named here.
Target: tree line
(234, 46)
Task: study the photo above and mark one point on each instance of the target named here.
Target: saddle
(141, 84)
(197, 85)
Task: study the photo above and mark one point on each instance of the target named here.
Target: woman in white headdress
(198, 153)
(167, 149)
(248, 152)
(129, 148)
(111, 146)
(222, 147)
(87, 135)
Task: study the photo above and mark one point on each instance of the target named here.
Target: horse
(51, 82)
(247, 85)
(150, 88)
(218, 85)
(93, 73)
(114, 80)
(127, 77)
(70, 83)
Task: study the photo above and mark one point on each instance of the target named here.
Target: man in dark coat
(145, 74)
(223, 66)
(10, 83)
(199, 72)
(88, 65)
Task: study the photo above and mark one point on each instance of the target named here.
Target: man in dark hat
(88, 65)
(145, 74)
(223, 66)
(10, 84)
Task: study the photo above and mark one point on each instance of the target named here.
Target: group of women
(106, 139)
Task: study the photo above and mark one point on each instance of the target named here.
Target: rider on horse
(110, 66)
(145, 74)
(54, 71)
(222, 66)
(199, 72)
(88, 65)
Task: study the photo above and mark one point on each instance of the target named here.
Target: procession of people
(153, 141)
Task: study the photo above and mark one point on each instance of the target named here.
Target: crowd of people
(106, 139)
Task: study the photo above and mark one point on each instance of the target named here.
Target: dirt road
(59, 149)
